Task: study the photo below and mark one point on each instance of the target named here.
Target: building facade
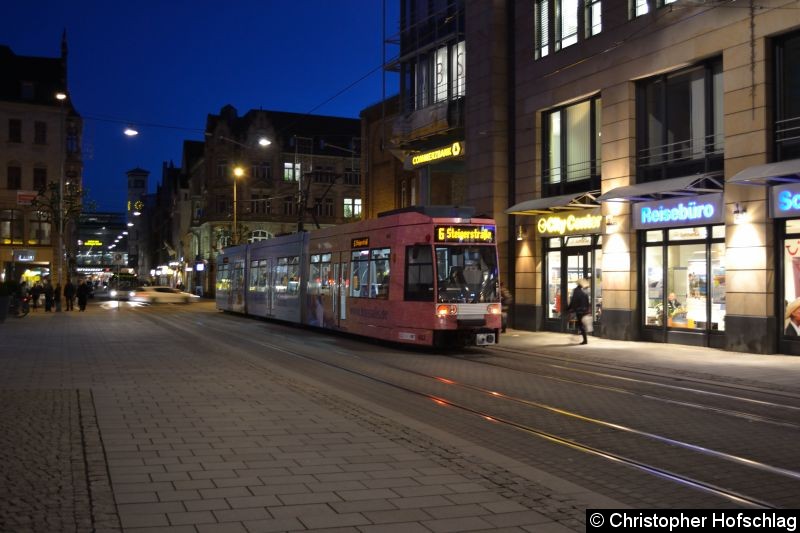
(40, 167)
(643, 117)
(649, 147)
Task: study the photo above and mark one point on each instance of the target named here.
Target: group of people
(52, 295)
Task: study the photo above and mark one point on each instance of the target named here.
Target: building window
(10, 226)
(787, 86)
(639, 8)
(440, 76)
(680, 123)
(684, 273)
(329, 207)
(262, 170)
(288, 205)
(14, 130)
(38, 231)
(572, 148)
(352, 207)
(222, 168)
(222, 204)
(352, 176)
(259, 235)
(594, 17)
(291, 171)
(39, 132)
(14, 177)
(542, 28)
(458, 69)
(39, 179)
(556, 21)
(318, 207)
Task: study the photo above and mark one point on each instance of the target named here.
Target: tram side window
(319, 273)
(419, 274)
(359, 274)
(253, 275)
(379, 273)
(223, 278)
(237, 276)
(293, 272)
(281, 275)
(262, 276)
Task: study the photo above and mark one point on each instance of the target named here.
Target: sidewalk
(211, 440)
(772, 372)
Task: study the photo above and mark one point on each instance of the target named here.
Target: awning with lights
(555, 204)
(769, 174)
(669, 188)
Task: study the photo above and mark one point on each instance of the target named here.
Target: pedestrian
(57, 297)
(83, 295)
(48, 296)
(36, 291)
(69, 294)
(505, 304)
(579, 304)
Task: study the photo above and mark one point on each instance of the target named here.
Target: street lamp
(238, 172)
(61, 97)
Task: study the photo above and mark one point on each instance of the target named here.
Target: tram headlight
(443, 311)
(493, 309)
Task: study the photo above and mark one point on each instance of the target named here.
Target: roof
(656, 190)
(553, 204)
(336, 131)
(780, 172)
(47, 76)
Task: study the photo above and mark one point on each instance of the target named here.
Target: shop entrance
(569, 259)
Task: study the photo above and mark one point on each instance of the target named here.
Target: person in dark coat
(69, 294)
(505, 304)
(48, 296)
(83, 295)
(579, 304)
(36, 291)
(57, 296)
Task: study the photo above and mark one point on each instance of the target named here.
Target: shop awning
(555, 204)
(656, 190)
(770, 173)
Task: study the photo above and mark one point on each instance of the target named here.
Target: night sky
(162, 66)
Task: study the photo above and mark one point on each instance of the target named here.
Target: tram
(422, 275)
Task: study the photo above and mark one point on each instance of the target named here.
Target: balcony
(681, 158)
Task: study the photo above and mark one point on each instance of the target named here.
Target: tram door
(269, 297)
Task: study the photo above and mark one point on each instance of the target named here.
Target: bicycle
(20, 307)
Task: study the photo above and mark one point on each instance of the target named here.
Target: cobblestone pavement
(112, 421)
(106, 428)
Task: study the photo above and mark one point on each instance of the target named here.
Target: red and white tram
(409, 276)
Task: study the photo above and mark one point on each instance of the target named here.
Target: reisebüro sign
(785, 200)
(681, 211)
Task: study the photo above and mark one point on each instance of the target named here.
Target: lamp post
(61, 97)
(238, 172)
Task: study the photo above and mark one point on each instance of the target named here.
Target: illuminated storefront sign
(464, 234)
(360, 242)
(584, 222)
(431, 156)
(683, 211)
(785, 200)
(93, 242)
(24, 256)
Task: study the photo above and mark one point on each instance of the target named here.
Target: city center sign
(588, 221)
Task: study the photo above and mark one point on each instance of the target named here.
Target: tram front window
(467, 274)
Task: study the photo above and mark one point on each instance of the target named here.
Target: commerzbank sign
(589, 221)
(438, 154)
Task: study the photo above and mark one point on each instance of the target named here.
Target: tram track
(737, 413)
(728, 494)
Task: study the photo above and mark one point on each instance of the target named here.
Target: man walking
(69, 294)
(579, 304)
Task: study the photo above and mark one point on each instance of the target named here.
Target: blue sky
(162, 66)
